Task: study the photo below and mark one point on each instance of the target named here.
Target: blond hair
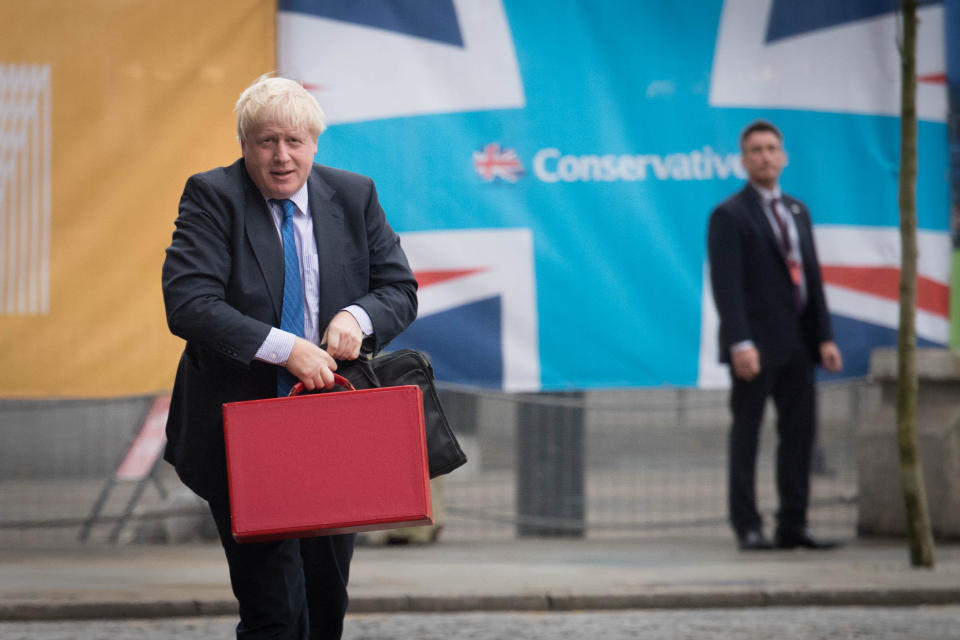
(278, 101)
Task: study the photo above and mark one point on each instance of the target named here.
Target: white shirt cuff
(363, 319)
(743, 345)
(276, 348)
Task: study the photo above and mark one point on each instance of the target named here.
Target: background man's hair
(760, 125)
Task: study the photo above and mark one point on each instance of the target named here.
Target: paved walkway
(520, 575)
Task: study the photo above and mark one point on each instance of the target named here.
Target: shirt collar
(767, 194)
(301, 198)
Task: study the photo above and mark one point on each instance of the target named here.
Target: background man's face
(763, 158)
(279, 159)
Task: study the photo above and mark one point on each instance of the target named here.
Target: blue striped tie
(291, 318)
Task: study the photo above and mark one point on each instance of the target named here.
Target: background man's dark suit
(755, 301)
(223, 289)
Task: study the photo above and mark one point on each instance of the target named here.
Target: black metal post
(550, 476)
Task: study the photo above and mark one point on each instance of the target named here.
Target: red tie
(792, 265)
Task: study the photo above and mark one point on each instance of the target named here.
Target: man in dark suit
(278, 267)
(774, 328)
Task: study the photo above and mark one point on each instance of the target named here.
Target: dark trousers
(288, 589)
(791, 385)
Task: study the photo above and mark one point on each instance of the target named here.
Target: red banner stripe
(426, 278)
(933, 78)
(932, 296)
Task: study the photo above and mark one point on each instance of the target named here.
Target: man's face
(763, 158)
(278, 158)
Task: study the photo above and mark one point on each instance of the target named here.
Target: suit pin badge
(795, 208)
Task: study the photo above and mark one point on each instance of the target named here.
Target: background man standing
(278, 266)
(774, 327)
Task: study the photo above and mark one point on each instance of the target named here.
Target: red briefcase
(327, 463)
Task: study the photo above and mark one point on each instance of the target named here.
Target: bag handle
(337, 380)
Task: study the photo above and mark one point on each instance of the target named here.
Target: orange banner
(106, 107)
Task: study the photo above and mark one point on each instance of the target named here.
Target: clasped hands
(314, 366)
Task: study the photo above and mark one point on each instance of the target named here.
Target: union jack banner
(500, 174)
(491, 163)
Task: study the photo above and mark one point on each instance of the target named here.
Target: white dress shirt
(278, 344)
(767, 196)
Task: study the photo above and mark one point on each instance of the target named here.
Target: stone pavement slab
(522, 574)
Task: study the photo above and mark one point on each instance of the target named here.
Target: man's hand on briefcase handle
(312, 365)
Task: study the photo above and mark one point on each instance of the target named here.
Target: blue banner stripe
(791, 18)
(464, 343)
(858, 339)
(428, 19)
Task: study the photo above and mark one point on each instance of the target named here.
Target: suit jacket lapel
(804, 232)
(262, 236)
(327, 217)
(760, 217)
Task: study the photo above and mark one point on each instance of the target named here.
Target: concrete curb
(111, 610)
(103, 610)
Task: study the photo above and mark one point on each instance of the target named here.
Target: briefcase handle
(337, 380)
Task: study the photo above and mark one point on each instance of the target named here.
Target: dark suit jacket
(223, 290)
(751, 282)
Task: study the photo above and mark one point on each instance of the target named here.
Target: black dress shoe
(754, 540)
(791, 539)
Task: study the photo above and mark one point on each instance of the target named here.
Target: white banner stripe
(883, 312)
(505, 257)
(443, 296)
(25, 163)
(843, 245)
(392, 74)
(852, 67)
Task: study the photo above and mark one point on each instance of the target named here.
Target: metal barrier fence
(601, 464)
(632, 463)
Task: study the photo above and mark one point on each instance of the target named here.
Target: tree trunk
(911, 470)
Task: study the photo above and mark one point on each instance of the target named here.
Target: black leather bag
(407, 366)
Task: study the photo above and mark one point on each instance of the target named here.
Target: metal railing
(601, 464)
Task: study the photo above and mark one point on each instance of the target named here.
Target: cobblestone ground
(908, 623)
